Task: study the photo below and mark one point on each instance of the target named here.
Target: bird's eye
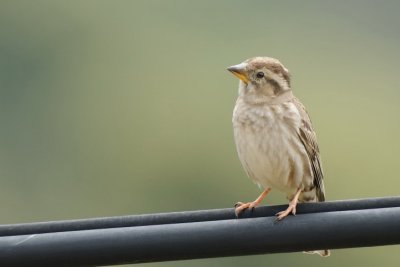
(260, 75)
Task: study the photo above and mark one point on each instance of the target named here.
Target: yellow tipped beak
(240, 72)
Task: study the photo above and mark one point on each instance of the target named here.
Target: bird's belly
(266, 161)
(271, 154)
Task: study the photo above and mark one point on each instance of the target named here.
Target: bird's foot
(240, 207)
(290, 209)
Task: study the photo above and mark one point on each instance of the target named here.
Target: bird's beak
(239, 71)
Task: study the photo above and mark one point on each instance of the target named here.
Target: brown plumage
(274, 137)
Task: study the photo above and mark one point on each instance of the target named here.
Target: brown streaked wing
(309, 140)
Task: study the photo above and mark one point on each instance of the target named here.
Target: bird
(275, 140)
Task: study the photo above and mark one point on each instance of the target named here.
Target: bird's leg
(240, 206)
(291, 208)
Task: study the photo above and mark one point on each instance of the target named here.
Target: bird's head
(261, 78)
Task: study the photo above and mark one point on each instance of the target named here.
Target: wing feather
(309, 139)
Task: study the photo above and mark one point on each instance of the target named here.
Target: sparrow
(274, 136)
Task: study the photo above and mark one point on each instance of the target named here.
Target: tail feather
(322, 253)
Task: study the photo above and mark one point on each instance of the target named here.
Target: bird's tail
(322, 253)
(320, 197)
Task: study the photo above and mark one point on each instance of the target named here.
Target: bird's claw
(240, 207)
(238, 204)
(285, 213)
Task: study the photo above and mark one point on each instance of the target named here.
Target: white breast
(268, 145)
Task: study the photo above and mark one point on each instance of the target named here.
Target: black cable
(204, 239)
(190, 216)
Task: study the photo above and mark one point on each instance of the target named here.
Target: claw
(237, 204)
(253, 204)
(290, 209)
(285, 213)
(240, 206)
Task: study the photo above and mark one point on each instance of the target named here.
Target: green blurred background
(124, 107)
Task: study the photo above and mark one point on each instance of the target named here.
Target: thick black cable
(178, 241)
(190, 216)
